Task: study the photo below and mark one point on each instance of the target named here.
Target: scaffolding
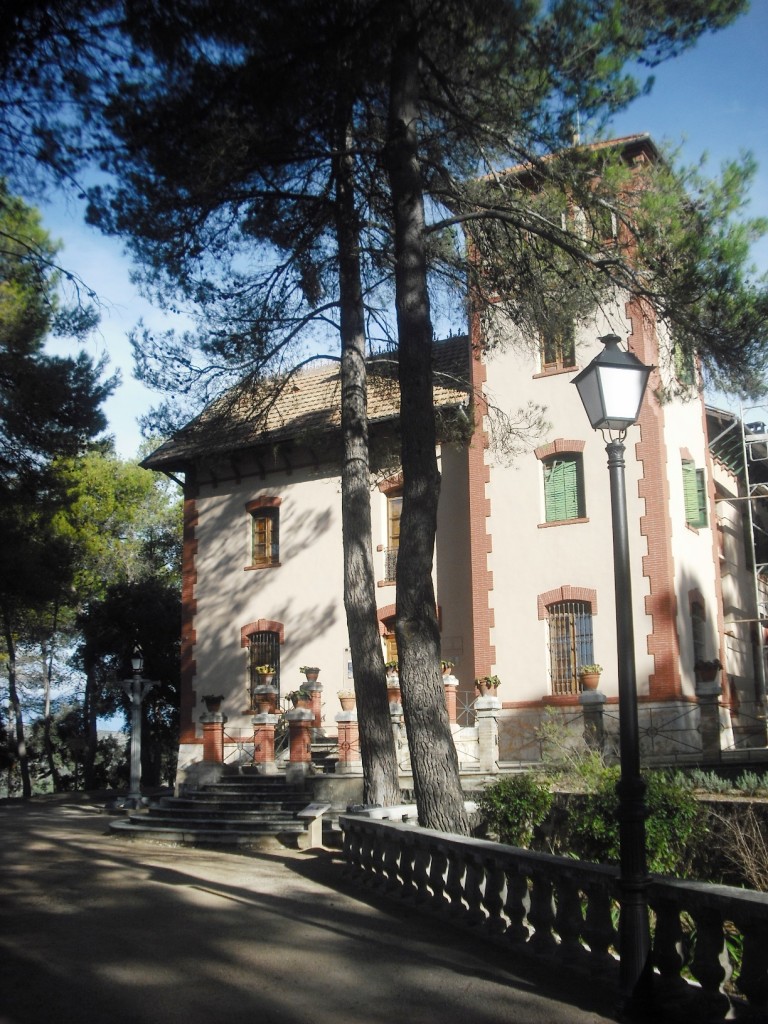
(742, 445)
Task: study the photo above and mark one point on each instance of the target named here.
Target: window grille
(390, 564)
(264, 649)
(570, 643)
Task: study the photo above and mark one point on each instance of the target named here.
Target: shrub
(514, 805)
(674, 825)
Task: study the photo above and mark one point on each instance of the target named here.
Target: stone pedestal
(487, 721)
(264, 743)
(213, 736)
(349, 743)
(708, 692)
(592, 705)
(451, 684)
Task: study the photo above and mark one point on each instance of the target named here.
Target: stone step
(275, 823)
(193, 836)
(219, 814)
(214, 802)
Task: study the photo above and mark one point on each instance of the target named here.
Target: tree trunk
(47, 656)
(90, 713)
(377, 747)
(18, 718)
(433, 753)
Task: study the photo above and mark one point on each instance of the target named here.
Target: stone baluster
(438, 877)
(473, 890)
(421, 865)
(515, 906)
(599, 932)
(493, 897)
(753, 978)
(710, 965)
(392, 864)
(542, 915)
(454, 883)
(668, 952)
(407, 889)
(569, 919)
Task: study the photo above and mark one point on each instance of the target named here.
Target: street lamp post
(612, 388)
(137, 688)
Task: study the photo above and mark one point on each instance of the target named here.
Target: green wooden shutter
(562, 490)
(695, 494)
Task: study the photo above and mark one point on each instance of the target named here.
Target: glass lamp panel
(622, 390)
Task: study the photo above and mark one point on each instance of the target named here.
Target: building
(523, 561)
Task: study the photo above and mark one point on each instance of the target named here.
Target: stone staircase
(238, 810)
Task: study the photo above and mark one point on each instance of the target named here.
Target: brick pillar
(316, 691)
(486, 718)
(451, 684)
(349, 743)
(300, 722)
(264, 743)
(213, 736)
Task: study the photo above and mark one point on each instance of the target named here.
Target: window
(698, 630)
(394, 510)
(265, 531)
(558, 350)
(570, 643)
(564, 488)
(695, 494)
(263, 649)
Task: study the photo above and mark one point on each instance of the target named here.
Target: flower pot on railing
(589, 677)
(347, 700)
(212, 703)
(311, 672)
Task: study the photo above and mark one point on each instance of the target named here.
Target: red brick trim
(265, 502)
(695, 596)
(557, 447)
(188, 611)
(566, 593)
(391, 484)
(482, 653)
(384, 615)
(663, 642)
(262, 626)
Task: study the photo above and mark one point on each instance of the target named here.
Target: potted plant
(589, 676)
(213, 702)
(311, 672)
(487, 685)
(391, 667)
(266, 673)
(446, 666)
(706, 671)
(300, 698)
(347, 699)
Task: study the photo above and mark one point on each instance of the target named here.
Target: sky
(712, 100)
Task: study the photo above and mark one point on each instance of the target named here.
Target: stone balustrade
(536, 904)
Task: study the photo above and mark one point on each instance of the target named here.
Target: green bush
(514, 805)
(674, 825)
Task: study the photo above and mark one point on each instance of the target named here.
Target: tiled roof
(304, 405)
